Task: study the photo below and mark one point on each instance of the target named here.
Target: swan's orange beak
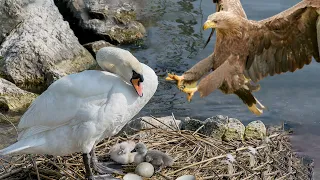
(137, 84)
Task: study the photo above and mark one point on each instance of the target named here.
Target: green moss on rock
(255, 130)
(130, 35)
(234, 130)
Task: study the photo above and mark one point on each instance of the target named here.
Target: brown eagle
(247, 51)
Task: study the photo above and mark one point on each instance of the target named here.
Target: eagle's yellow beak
(209, 24)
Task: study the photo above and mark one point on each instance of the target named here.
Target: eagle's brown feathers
(247, 50)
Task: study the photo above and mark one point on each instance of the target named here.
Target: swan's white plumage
(121, 152)
(79, 110)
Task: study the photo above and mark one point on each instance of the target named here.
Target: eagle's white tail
(22, 145)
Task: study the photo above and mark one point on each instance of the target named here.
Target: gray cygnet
(157, 158)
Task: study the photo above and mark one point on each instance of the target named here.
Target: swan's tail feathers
(22, 145)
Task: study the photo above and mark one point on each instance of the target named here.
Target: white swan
(79, 110)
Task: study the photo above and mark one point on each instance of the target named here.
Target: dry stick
(160, 122)
(177, 145)
(2, 165)
(175, 122)
(35, 167)
(286, 175)
(194, 155)
(16, 171)
(43, 176)
(205, 141)
(6, 119)
(11, 173)
(204, 152)
(215, 175)
(261, 166)
(61, 169)
(198, 130)
(253, 175)
(224, 175)
(214, 158)
(166, 177)
(168, 132)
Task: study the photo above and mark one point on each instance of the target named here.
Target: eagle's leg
(252, 87)
(179, 79)
(190, 92)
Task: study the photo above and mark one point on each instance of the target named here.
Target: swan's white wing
(59, 104)
(50, 109)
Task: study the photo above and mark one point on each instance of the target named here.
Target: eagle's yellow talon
(190, 92)
(173, 77)
(169, 79)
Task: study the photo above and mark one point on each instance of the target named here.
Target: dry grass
(194, 154)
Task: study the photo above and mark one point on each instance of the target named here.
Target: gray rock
(42, 48)
(192, 124)
(255, 130)
(10, 16)
(234, 130)
(219, 127)
(93, 47)
(115, 20)
(138, 124)
(14, 99)
(215, 126)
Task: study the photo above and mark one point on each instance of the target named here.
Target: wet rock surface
(234, 130)
(13, 99)
(111, 20)
(41, 49)
(146, 122)
(93, 47)
(215, 126)
(10, 16)
(255, 130)
(220, 127)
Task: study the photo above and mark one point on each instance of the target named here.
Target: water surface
(175, 42)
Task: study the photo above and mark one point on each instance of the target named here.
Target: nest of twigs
(194, 154)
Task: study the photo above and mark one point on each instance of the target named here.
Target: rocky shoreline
(43, 40)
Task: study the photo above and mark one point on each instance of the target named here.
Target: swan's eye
(135, 75)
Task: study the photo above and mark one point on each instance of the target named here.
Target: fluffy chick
(157, 158)
(121, 152)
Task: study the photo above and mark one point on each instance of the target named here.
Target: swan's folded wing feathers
(63, 99)
(31, 131)
(50, 109)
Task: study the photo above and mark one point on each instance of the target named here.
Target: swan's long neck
(150, 82)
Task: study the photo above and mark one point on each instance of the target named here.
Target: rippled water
(175, 42)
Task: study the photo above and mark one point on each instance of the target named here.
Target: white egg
(145, 169)
(131, 176)
(186, 177)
